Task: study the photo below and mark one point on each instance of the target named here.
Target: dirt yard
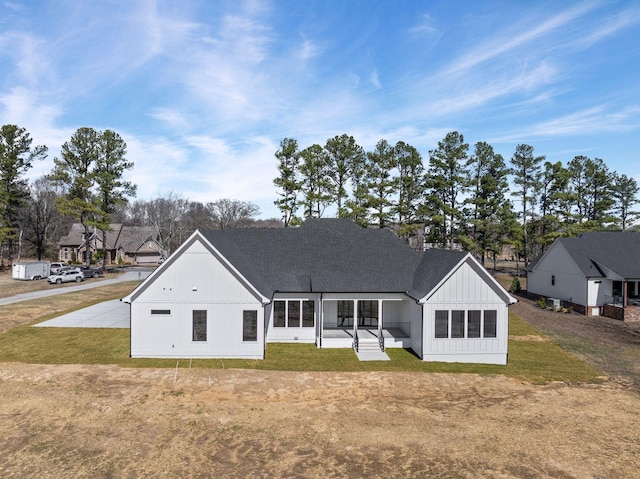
(108, 422)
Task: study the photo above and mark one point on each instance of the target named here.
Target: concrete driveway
(110, 314)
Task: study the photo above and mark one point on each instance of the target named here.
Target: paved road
(128, 276)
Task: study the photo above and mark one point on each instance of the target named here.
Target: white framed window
(466, 324)
(294, 313)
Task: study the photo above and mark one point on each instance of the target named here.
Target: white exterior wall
(196, 280)
(298, 334)
(414, 312)
(466, 290)
(600, 291)
(570, 282)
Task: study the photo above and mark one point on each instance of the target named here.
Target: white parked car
(67, 276)
(57, 267)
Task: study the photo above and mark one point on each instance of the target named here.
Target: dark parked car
(90, 272)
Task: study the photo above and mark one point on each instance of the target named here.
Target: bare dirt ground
(108, 422)
(609, 345)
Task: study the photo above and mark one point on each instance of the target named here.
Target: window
(279, 313)
(442, 324)
(490, 324)
(474, 327)
(345, 314)
(368, 313)
(199, 325)
(249, 325)
(457, 324)
(308, 314)
(293, 310)
(293, 314)
(160, 311)
(473, 324)
(553, 280)
(617, 288)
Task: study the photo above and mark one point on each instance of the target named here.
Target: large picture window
(199, 330)
(460, 324)
(249, 325)
(294, 314)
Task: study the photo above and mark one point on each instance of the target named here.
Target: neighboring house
(130, 244)
(597, 273)
(226, 293)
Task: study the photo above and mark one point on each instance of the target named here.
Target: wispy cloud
(609, 26)
(508, 40)
(596, 120)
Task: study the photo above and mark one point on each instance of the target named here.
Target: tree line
(86, 186)
(459, 197)
(456, 198)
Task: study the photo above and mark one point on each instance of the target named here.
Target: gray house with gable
(596, 273)
(227, 293)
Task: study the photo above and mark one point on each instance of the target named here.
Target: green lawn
(529, 360)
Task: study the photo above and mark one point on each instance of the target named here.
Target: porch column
(379, 317)
(321, 321)
(625, 296)
(355, 317)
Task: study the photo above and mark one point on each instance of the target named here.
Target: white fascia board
(480, 269)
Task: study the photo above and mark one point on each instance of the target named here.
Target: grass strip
(532, 361)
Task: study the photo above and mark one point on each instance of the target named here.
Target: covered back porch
(364, 322)
(624, 302)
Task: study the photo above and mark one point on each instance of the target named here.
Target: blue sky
(204, 91)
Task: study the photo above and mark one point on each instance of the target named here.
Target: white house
(597, 273)
(226, 293)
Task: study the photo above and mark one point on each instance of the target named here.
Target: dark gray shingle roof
(330, 256)
(616, 250)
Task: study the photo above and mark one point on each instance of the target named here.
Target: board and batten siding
(466, 290)
(557, 276)
(195, 280)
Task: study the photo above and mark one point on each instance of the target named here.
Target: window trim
(443, 323)
(298, 312)
(254, 318)
(195, 328)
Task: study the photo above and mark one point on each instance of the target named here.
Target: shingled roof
(331, 256)
(595, 251)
